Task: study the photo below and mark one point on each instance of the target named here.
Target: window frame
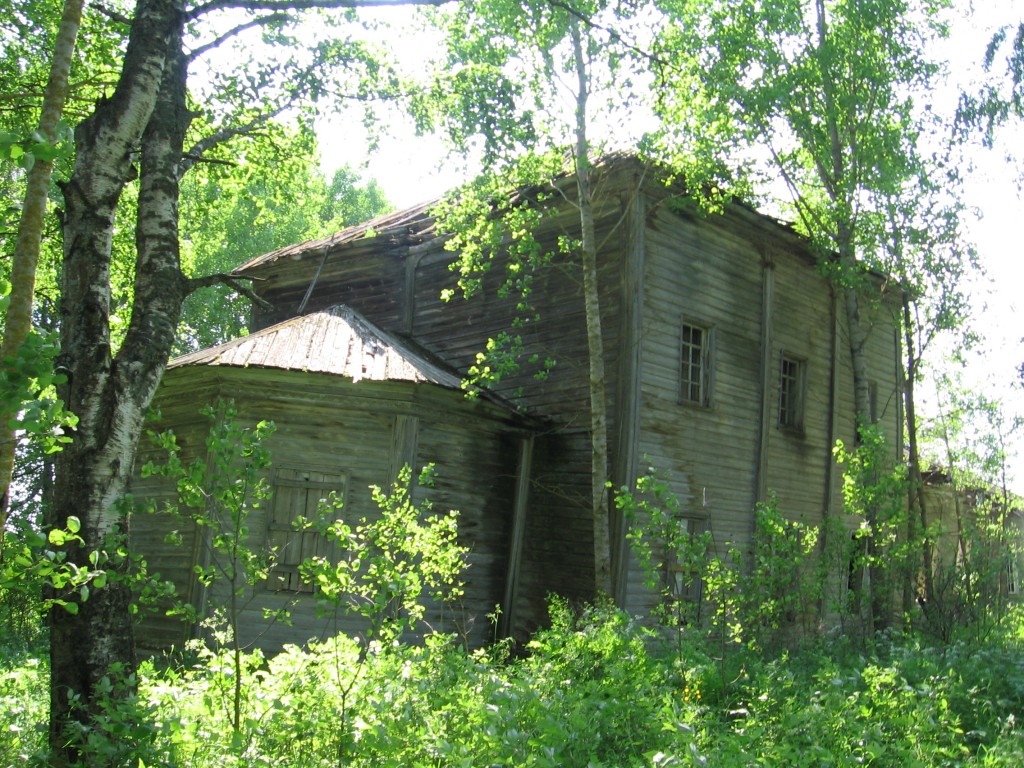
(791, 403)
(704, 365)
(677, 574)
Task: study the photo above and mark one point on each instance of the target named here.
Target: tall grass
(595, 689)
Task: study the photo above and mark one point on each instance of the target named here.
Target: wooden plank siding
(558, 536)
(713, 272)
(745, 278)
(331, 427)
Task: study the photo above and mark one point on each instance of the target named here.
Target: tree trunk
(18, 320)
(110, 394)
(862, 418)
(869, 597)
(916, 483)
(834, 178)
(595, 343)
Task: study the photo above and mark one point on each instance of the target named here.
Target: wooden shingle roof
(336, 341)
(409, 224)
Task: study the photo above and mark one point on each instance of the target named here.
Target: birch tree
(824, 89)
(1001, 99)
(511, 66)
(18, 317)
(142, 130)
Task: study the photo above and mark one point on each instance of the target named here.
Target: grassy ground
(594, 690)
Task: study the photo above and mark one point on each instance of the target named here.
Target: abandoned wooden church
(728, 370)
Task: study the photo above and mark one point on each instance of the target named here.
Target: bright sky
(412, 170)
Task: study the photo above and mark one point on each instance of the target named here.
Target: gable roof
(412, 224)
(337, 341)
(416, 224)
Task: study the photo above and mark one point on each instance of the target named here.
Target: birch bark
(595, 342)
(110, 393)
(18, 319)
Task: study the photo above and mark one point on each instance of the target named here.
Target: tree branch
(270, 18)
(192, 159)
(612, 34)
(304, 5)
(196, 153)
(110, 13)
(231, 280)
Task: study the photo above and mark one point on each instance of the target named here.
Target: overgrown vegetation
(596, 688)
(728, 670)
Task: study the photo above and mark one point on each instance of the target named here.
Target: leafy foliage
(28, 389)
(1002, 98)
(758, 597)
(383, 569)
(979, 543)
(219, 491)
(271, 194)
(874, 495)
(494, 221)
(826, 88)
(391, 563)
(595, 689)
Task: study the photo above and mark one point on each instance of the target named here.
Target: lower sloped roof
(338, 341)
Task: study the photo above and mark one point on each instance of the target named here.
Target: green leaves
(1002, 97)
(390, 564)
(26, 149)
(271, 194)
(59, 537)
(28, 388)
(31, 562)
(825, 91)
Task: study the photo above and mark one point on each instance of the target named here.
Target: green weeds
(597, 688)
(707, 680)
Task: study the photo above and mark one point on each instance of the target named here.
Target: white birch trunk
(110, 395)
(595, 343)
(18, 320)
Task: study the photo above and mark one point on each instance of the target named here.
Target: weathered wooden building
(728, 370)
(977, 535)
(352, 405)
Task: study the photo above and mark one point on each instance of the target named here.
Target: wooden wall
(331, 425)
(558, 547)
(761, 296)
(657, 268)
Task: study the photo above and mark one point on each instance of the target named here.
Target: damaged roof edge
(393, 222)
(336, 341)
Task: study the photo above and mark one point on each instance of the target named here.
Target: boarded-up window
(297, 496)
(792, 382)
(695, 364)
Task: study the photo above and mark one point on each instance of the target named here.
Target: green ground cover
(596, 689)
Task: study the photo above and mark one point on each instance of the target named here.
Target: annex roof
(337, 341)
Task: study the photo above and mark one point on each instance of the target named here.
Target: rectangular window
(1011, 576)
(695, 364)
(792, 379)
(297, 494)
(685, 578)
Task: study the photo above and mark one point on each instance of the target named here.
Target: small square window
(695, 365)
(792, 382)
